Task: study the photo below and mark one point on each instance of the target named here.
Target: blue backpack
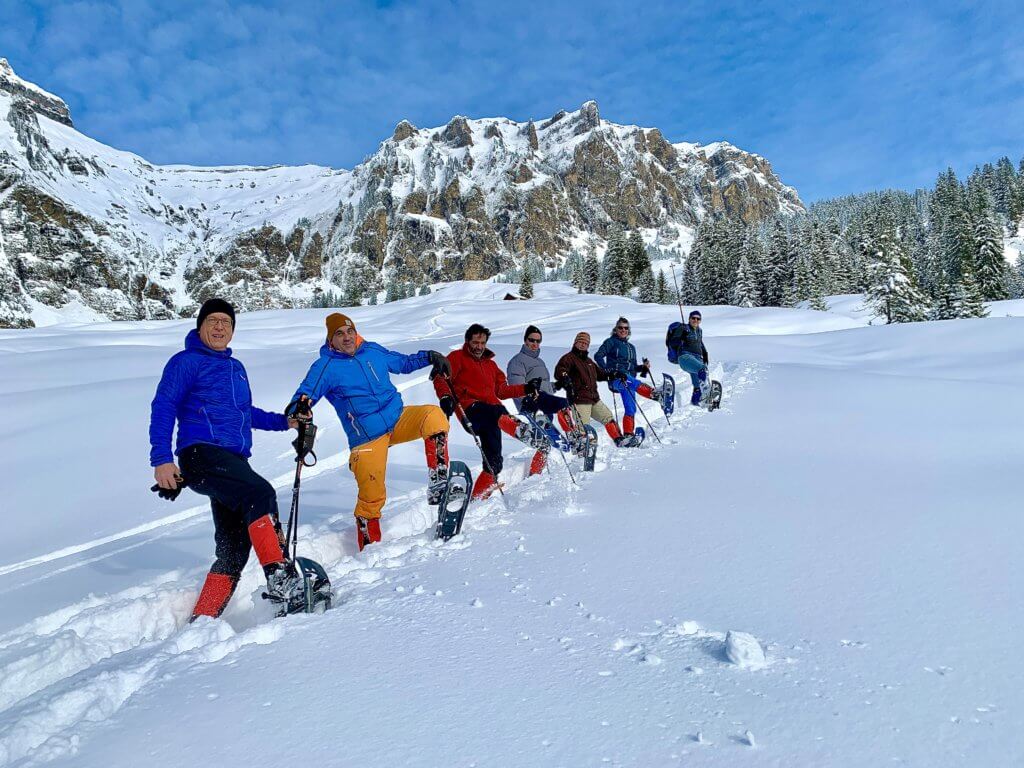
(672, 339)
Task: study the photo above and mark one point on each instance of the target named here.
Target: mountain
(87, 228)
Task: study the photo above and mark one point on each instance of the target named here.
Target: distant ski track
(66, 672)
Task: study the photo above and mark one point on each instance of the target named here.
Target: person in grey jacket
(528, 366)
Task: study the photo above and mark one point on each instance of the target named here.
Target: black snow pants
(484, 419)
(238, 497)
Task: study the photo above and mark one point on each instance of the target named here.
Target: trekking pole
(476, 438)
(303, 445)
(564, 461)
(650, 426)
(679, 298)
(654, 386)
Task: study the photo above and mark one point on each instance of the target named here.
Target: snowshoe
(555, 438)
(641, 435)
(451, 507)
(629, 440)
(299, 587)
(438, 482)
(531, 433)
(590, 448)
(714, 400)
(667, 394)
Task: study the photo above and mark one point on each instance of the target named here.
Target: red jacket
(477, 380)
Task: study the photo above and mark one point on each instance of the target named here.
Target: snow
(852, 513)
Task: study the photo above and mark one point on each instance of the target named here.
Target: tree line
(931, 254)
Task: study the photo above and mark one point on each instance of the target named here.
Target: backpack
(672, 338)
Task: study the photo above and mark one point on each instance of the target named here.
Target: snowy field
(854, 506)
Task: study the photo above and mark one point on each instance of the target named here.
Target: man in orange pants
(355, 377)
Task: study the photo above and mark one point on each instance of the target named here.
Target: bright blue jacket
(617, 354)
(208, 393)
(359, 387)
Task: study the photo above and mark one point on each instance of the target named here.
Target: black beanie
(532, 329)
(215, 305)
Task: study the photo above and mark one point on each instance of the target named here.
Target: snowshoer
(528, 366)
(355, 377)
(618, 357)
(578, 375)
(479, 386)
(686, 344)
(206, 391)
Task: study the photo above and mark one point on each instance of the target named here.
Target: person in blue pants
(617, 356)
(688, 343)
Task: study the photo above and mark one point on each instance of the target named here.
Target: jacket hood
(487, 355)
(195, 344)
(535, 353)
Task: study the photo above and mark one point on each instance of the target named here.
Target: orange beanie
(336, 320)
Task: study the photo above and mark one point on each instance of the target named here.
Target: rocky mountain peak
(404, 130)
(43, 102)
(589, 117)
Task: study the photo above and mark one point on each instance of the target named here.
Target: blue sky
(840, 98)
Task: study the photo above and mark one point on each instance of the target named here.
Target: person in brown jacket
(578, 375)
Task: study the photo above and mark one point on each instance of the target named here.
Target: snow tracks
(65, 673)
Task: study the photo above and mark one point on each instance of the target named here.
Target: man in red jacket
(480, 386)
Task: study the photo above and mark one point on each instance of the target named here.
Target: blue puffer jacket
(359, 387)
(208, 393)
(617, 355)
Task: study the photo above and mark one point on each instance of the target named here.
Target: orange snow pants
(369, 461)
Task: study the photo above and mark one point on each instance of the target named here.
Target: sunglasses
(533, 341)
(621, 327)
(694, 318)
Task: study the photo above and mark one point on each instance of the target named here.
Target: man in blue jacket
(207, 392)
(687, 342)
(617, 356)
(355, 377)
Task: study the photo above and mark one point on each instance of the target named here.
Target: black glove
(440, 365)
(170, 493)
(448, 405)
(617, 376)
(644, 369)
(532, 387)
(301, 409)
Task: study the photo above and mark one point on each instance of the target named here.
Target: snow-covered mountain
(83, 225)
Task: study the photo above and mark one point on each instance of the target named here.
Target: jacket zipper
(234, 400)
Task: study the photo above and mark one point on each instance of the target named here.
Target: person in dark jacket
(355, 377)
(528, 366)
(578, 375)
(206, 391)
(476, 387)
(618, 357)
(688, 343)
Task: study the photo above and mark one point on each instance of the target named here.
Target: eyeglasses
(694, 318)
(533, 341)
(621, 327)
(217, 322)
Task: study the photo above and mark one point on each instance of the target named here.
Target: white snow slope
(854, 510)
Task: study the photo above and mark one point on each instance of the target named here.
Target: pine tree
(526, 282)
(1017, 278)
(425, 290)
(969, 301)
(661, 291)
(745, 292)
(990, 264)
(647, 290)
(394, 291)
(636, 257)
(615, 276)
(777, 287)
(945, 307)
(892, 291)
(591, 273)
